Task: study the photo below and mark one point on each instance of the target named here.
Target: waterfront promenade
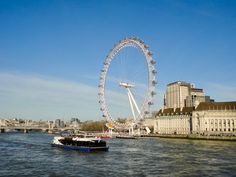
(194, 137)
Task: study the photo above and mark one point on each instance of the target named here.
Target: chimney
(162, 109)
(174, 108)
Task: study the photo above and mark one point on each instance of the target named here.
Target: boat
(103, 136)
(79, 143)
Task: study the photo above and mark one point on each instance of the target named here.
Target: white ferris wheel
(139, 112)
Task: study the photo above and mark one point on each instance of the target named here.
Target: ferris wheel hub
(126, 85)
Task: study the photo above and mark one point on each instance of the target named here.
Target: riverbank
(194, 137)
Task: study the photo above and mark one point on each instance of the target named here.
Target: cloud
(48, 98)
(221, 92)
(40, 97)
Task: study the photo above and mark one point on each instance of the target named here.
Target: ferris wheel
(139, 113)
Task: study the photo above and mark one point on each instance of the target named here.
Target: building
(195, 97)
(50, 124)
(2, 123)
(74, 122)
(176, 94)
(59, 123)
(149, 122)
(183, 94)
(174, 121)
(218, 118)
(208, 118)
(188, 111)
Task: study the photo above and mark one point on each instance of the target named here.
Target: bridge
(26, 129)
(12, 125)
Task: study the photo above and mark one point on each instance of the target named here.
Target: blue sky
(51, 52)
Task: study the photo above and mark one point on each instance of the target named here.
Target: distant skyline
(52, 51)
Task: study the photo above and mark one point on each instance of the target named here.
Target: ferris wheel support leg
(131, 105)
(110, 132)
(132, 97)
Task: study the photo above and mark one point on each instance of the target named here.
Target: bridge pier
(2, 130)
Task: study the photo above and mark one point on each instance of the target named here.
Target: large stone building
(183, 94)
(176, 94)
(188, 111)
(214, 118)
(173, 121)
(195, 97)
(208, 118)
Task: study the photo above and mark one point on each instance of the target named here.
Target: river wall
(195, 137)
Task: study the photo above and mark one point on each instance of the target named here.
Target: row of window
(174, 129)
(224, 129)
(221, 121)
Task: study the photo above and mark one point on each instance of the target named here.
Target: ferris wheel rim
(148, 100)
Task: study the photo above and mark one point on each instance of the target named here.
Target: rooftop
(180, 83)
(196, 90)
(216, 106)
(184, 110)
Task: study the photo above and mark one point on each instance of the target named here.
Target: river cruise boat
(104, 136)
(79, 143)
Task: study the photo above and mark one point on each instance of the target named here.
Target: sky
(52, 51)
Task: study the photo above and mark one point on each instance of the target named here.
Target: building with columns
(187, 110)
(218, 118)
(208, 118)
(173, 121)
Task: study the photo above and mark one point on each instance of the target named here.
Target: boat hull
(84, 149)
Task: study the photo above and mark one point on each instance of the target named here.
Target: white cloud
(221, 92)
(40, 97)
(47, 98)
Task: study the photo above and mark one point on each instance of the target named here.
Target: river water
(31, 155)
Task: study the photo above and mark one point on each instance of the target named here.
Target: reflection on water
(31, 155)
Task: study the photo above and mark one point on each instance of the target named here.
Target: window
(225, 129)
(229, 129)
(212, 129)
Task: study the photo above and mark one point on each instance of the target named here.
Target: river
(31, 155)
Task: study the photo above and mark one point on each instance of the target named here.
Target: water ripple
(31, 155)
